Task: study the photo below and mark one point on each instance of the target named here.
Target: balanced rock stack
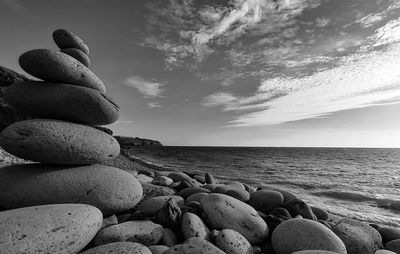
(57, 206)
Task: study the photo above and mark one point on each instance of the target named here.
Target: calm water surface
(354, 182)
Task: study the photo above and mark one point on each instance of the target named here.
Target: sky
(232, 72)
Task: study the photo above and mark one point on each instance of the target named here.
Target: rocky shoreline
(76, 191)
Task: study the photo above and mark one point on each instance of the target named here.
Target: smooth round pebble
(233, 242)
(78, 55)
(265, 200)
(358, 237)
(320, 213)
(222, 211)
(58, 142)
(55, 66)
(112, 190)
(145, 232)
(393, 245)
(119, 248)
(193, 226)
(239, 194)
(303, 234)
(66, 39)
(144, 178)
(61, 228)
(190, 191)
(195, 245)
(162, 180)
(299, 207)
(388, 234)
(62, 101)
(196, 197)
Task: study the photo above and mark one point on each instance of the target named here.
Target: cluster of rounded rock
(58, 206)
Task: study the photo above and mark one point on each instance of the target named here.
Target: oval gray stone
(61, 228)
(58, 142)
(112, 190)
(66, 39)
(145, 232)
(62, 101)
(78, 55)
(55, 66)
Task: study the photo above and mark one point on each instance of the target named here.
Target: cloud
(153, 105)
(148, 88)
(218, 99)
(363, 79)
(189, 32)
(371, 19)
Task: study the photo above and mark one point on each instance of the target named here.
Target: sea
(360, 183)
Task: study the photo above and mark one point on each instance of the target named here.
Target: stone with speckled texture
(61, 228)
(63, 102)
(58, 142)
(66, 39)
(55, 66)
(112, 190)
(145, 232)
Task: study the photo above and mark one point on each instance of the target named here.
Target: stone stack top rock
(66, 39)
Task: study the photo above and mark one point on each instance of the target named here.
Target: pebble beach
(67, 187)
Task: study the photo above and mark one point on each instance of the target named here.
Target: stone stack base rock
(57, 205)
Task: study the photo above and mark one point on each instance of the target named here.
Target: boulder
(359, 237)
(303, 234)
(58, 142)
(61, 228)
(54, 66)
(62, 101)
(110, 189)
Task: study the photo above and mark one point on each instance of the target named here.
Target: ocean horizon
(361, 183)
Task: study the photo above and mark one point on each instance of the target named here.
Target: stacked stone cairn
(58, 206)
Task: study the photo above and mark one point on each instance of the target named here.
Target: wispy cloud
(219, 99)
(148, 88)
(363, 79)
(188, 31)
(153, 105)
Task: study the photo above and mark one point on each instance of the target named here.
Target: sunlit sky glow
(233, 72)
